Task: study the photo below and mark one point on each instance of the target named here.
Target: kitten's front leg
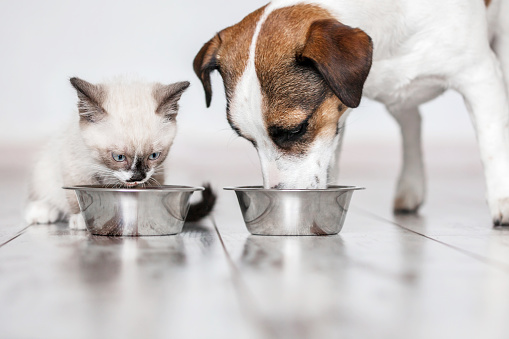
(76, 222)
(40, 212)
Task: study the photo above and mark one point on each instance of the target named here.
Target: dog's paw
(408, 198)
(76, 222)
(38, 212)
(500, 211)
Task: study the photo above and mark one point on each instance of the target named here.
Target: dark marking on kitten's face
(140, 168)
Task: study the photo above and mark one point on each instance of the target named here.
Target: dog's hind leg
(411, 187)
(484, 91)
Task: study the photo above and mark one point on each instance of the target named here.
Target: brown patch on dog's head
(318, 68)
(227, 52)
(310, 68)
(314, 51)
(487, 2)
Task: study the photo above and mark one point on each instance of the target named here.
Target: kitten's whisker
(157, 183)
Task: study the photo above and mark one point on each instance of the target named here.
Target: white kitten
(121, 137)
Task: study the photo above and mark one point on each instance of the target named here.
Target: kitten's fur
(133, 119)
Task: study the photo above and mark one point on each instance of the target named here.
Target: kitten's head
(128, 127)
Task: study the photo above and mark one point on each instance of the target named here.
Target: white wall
(43, 43)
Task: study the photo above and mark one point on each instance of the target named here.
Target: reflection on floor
(441, 274)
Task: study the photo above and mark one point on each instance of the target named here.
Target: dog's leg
(486, 99)
(501, 41)
(411, 186)
(501, 48)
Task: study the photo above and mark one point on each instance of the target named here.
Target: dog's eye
(284, 137)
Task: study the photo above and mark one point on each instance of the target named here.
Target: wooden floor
(442, 274)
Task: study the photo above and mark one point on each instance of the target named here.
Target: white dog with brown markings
(292, 70)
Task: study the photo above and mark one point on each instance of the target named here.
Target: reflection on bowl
(158, 210)
(294, 211)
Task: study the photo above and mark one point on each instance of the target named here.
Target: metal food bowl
(294, 211)
(159, 210)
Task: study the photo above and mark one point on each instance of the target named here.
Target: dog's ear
(342, 55)
(205, 62)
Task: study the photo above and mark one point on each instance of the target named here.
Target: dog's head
(289, 75)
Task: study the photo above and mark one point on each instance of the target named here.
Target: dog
(292, 71)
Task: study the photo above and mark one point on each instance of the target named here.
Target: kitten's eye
(118, 157)
(154, 156)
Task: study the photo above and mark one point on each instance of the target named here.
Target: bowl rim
(331, 188)
(162, 188)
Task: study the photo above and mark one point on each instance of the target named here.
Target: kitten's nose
(137, 176)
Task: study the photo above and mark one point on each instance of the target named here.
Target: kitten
(121, 137)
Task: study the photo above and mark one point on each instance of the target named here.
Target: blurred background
(44, 43)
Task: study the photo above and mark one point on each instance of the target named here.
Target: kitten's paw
(409, 197)
(38, 212)
(500, 211)
(76, 222)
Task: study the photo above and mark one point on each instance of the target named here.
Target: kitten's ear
(91, 97)
(167, 98)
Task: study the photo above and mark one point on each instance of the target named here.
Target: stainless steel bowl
(294, 211)
(157, 210)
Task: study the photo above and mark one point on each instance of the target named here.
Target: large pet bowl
(294, 211)
(157, 210)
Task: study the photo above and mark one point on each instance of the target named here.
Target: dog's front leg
(411, 187)
(484, 92)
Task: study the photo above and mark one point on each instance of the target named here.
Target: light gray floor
(442, 274)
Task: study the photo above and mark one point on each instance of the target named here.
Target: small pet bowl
(159, 210)
(294, 211)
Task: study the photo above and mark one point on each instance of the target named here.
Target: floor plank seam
(487, 261)
(19, 233)
(242, 291)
